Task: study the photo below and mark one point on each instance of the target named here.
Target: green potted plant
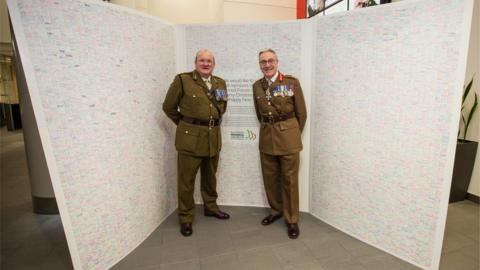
(466, 151)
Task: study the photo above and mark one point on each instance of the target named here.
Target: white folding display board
(97, 76)
(383, 154)
(383, 88)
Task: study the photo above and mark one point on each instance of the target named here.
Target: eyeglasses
(269, 61)
(205, 61)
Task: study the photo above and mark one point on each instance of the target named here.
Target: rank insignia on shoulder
(220, 94)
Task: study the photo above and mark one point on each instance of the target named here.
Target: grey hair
(267, 50)
(204, 50)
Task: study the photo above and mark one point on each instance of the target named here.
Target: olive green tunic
(280, 143)
(198, 146)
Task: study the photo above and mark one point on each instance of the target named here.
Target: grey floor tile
(246, 239)
(186, 265)
(215, 246)
(384, 262)
(328, 249)
(141, 258)
(173, 238)
(459, 260)
(259, 259)
(314, 230)
(180, 253)
(304, 266)
(274, 235)
(340, 261)
(226, 261)
(293, 253)
(454, 240)
(171, 222)
(154, 239)
(244, 223)
(212, 228)
(354, 246)
(472, 251)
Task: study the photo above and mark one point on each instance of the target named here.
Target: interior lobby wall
(376, 171)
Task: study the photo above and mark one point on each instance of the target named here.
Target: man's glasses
(269, 61)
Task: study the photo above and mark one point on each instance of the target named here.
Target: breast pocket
(190, 99)
(186, 138)
(262, 102)
(221, 106)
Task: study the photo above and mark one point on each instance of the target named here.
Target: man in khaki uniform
(281, 109)
(195, 102)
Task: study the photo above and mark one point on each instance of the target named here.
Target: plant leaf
(470, 116)
(467, 90)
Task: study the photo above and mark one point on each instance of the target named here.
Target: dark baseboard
(44, 206)
(473, 198)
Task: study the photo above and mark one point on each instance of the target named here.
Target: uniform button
(211, 104)
(186, 131)
(269, 113)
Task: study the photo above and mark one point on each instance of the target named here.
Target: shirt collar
(209, 79)
(273, 79)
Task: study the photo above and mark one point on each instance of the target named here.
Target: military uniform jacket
(188, 95)
(286, 96)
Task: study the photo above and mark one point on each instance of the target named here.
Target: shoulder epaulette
(290, 77)
(217, 78)
(258, 81)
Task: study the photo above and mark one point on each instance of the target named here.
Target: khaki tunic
(191, 100)
(284, 137)
(280, 144)
(198, 146)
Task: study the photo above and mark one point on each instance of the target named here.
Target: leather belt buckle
(211, 123)
(271, 119)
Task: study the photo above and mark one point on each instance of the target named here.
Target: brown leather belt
(200, 122)
(277, 118)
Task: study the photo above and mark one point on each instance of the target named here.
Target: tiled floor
(242, 243)
(30, 241)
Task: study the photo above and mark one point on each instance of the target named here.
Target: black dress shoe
(186, 229)
(219, 214)
(270, 219)
(293, 230)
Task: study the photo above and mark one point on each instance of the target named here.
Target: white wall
(473, 67)
(215, 11)
(263, 10)
(179, 11)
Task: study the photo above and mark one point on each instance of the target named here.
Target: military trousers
(187, 168)
(280, 177)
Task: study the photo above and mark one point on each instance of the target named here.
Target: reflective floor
(30, 241)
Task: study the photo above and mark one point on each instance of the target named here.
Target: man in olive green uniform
(195, 102)
(281, 109)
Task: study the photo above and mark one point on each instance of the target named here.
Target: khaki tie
(208, 82)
